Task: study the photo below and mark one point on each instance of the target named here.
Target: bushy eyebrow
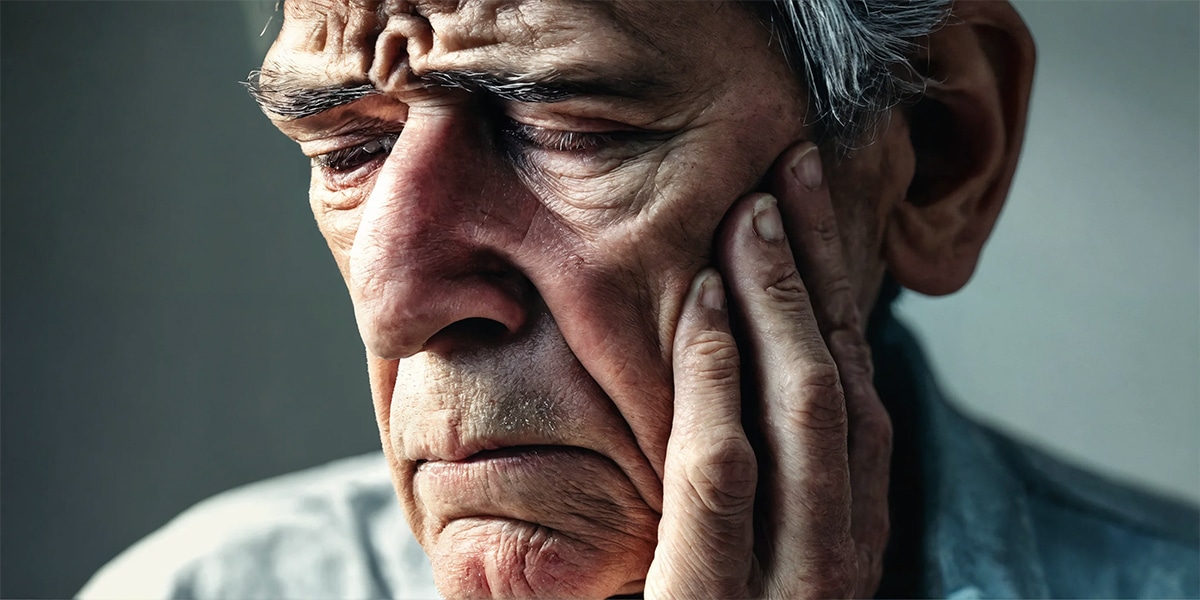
(542, 88)
(290, 97)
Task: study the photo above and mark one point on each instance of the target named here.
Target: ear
(966, 135)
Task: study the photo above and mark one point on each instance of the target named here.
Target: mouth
(483, 466)
(545, 516)
(511, 453)
(529, 456)
(527, 482)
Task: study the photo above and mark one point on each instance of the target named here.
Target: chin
(488, 557)
(546, 522)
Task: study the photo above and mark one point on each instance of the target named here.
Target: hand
(821, 473)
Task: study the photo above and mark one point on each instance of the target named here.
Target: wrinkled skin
(530, 291)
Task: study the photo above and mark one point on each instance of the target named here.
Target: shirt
(1000, 520)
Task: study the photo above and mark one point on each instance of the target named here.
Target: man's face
(517, 266)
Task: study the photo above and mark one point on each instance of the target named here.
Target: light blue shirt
(1002, 521)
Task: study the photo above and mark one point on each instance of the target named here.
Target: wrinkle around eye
(599, 199)
(338, 171)
(339, 199)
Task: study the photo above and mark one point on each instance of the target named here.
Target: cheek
(615, 302)
(337, 225)
(618, 297)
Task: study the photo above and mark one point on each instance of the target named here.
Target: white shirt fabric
(335, 531)
(1001, 521)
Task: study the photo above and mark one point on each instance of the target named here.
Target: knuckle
(710, 355)
(822, 379)
(853, 354)
(787, 288)
(822, 404)
(723, 475)
(825, 229)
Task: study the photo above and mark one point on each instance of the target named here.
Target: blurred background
(172, 324)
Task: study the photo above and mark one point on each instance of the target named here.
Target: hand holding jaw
(801, 512)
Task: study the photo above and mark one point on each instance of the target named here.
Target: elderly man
(623, 274)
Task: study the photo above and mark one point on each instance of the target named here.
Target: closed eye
(557, 140)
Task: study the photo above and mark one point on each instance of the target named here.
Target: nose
(427, 268)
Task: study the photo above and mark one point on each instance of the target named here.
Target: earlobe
(966, 134)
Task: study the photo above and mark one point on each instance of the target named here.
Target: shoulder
(331, 531)
(1100, 538)
(1003, 519)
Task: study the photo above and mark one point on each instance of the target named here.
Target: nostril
(467, 333)
(478, 328)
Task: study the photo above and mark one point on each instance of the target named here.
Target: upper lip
(467, 448)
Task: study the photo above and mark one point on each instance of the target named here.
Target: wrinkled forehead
(345, 39)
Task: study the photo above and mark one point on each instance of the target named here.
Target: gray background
(1082, 327)
(173, 326)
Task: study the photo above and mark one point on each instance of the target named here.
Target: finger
(803, 412)
(705, 537)
(817, 245)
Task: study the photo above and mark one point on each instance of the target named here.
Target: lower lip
(498, 510)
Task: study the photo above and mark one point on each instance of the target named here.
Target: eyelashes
(352, 165)
(349, 159)
(531, 136)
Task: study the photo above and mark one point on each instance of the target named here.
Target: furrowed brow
(289, 98)
(548, 88)
(505, 86)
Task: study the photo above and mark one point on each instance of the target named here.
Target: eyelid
(556, 140)
(350, 137)
(376, 111)
(549, 118)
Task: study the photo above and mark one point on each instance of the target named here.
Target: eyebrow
(290, 97)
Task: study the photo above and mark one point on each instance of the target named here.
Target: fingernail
(712, 293)
(767, 222)
(806, 168)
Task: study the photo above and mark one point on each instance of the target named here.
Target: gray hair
(855, 57)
